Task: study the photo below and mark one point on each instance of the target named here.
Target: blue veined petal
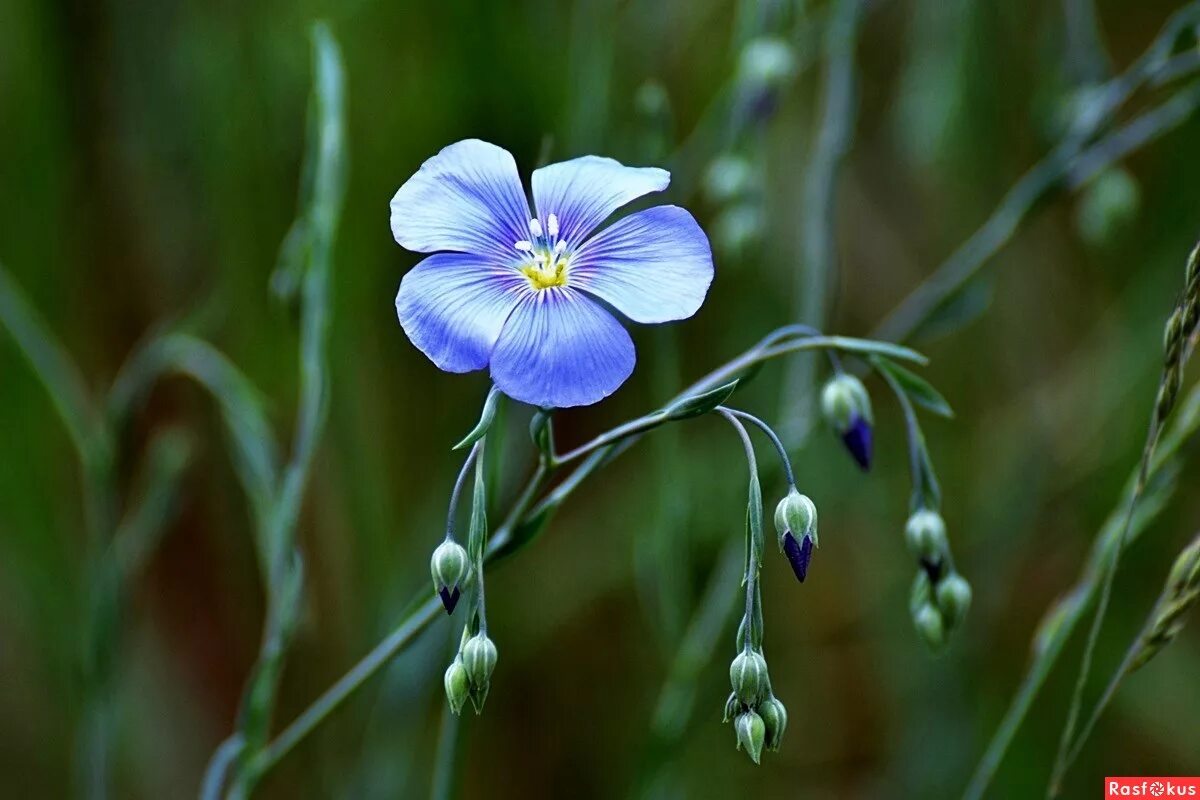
(453, 307)
(652, 266)
(560, 349)
(583, 192)
(468, 198)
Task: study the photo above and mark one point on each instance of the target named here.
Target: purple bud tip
(449, 598)
(799, 554)
(857, 439)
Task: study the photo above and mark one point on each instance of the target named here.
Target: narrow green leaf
(919, 390)
(702, 403)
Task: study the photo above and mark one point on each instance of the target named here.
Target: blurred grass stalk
(1178, 344)
(1082, 154)
(305, 270)
(1061, 619)
(115, 546)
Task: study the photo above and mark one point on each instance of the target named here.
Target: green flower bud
(739, 228)
(1107, 205)
(748, 676)
(767, 62)
(449, 567)
(751, 733)
(797, 514)
(479, 658)
(953, 598)
(925, 533)
(929, 625)
(774, 717)
(728, 178)
(732, 706)
(844, 400)
(458, 685)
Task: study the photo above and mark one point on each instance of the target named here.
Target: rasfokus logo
(1151, 787)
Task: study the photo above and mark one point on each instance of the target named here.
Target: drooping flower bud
(449, 566)
(766, 65)
(930, 627)
(728, 177)
(797, 514)
(748, 676)
(458, 685)
(925, 533)
(774, 717)
(751, 733)
(479, 657)
(953, 599)
(847, 408)
(732, 707)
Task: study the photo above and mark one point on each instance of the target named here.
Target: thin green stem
(456, 492)
(784, 461)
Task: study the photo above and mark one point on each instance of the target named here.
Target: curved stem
(456, 492)
(770, 433)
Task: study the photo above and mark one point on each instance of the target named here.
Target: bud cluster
(940, 596)
(759, 719)
(847, 408)
(469, 675)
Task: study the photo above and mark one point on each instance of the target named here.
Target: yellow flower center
(547, 269)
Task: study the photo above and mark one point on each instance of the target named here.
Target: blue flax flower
(530, 295)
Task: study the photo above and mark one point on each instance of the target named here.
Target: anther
(524, 246)
(552, 224)
(535, 228)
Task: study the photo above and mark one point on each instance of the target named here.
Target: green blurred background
(151, 154)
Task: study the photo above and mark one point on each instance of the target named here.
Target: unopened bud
(449, 566)
(479, 657)
(929, 625)
(732, 707)
(847, 408)
(751, 733)
(925, 533)
(1107, 205)
(767, 60)
(728, 178)
(774, 717)
(748, 677)
(458, 685)
(797, 514)
(953, 598)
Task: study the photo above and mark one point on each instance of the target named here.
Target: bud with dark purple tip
(847, 408)
(449, 567)
(925, 533)
(796, 524)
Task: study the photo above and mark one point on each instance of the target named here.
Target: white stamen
(524, 246)
(558, 248)
(552, 224)
(535, 228)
